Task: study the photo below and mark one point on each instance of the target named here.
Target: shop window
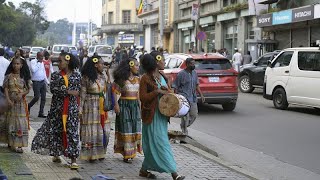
(309, 61)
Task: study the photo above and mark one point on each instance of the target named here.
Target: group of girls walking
(77, 125)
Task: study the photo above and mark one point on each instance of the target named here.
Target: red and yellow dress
(128, 121)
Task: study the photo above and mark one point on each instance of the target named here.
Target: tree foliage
(19, 27)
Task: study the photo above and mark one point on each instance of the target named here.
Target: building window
(126, 17)
(110, 18)
(225, 3)
(186, 12)
(250, 31)
(154, 31)
(206, 8)
(166, 12)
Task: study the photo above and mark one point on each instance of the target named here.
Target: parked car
(293, 77)
(251, 75)
(56, 50)
(26, 49)
(218, 80)
(105, 51)
(34, 51)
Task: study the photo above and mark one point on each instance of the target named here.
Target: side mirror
(255, 62)
(269, 64)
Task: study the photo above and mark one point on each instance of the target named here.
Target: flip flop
(147, 174)
(179, 177)
(56, 159)
(74, 166)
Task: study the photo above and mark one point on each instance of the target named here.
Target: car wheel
(280, 99)
(244, 84)
(229, 106)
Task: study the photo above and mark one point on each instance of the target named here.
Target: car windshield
(104, 50)
(36, 49)
(72, 48)
(214, 64)
(60, 48)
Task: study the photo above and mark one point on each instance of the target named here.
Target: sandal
(19, 150)
(56, 159)
(179, 177)
(127, 161)
(147, 174)
(74, 166)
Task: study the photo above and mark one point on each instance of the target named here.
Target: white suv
(293, 77)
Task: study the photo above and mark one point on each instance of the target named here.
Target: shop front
(186, 36)
(299, 27)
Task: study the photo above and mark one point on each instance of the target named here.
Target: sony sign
(264, 20)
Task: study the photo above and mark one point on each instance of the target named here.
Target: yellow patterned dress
(128, 121)
(17, 116)
(94, 123)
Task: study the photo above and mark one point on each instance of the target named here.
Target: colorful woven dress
(94, 124)
(17, 117)
(56, 137)
(128, 121)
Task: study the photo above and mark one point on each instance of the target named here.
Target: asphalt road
(291, 136)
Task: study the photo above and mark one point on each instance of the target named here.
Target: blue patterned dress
(158, 155)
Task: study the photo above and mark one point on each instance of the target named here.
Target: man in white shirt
(39, 83)
(4, 63)
(237, 60)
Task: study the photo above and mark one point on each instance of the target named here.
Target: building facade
(226, 24)
(291, 26)
(120, 25)
(157, 18)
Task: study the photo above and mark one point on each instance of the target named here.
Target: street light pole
(197, 28)
(161, 18)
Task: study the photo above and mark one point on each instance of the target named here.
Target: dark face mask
(192, 68)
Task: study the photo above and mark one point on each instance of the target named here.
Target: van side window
(309, 61)
(283, 60)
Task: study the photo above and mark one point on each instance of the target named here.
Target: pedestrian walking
(16, 87)
(39, 83)
(4, 63)
(47, 64)
(83, 58)
(117, 56)
(94, 123)
(187, 84)
(247, 59)
(237, 60)
(158, 154)
(59, 134)
(128, 120)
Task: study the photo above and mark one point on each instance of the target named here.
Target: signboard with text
(264, 20)
(282, 17)
(126, 38)
(303, 14)
(317, 11)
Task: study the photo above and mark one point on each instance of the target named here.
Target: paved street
(191, 162)
(258, 130)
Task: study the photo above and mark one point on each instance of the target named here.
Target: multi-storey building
(120, 25)
(157, 18)
(291, 23)
(226, 23)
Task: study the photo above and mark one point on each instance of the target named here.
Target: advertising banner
(303, 14)
(126, 38)
(282, 17)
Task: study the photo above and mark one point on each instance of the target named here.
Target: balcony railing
(121, 27)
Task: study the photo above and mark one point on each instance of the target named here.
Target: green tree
(16, 29)
(36, 12)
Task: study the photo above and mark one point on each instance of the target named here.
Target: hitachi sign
(302, 14)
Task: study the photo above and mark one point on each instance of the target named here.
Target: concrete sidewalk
(192, 162)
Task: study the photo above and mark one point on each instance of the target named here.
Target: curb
(219, 161)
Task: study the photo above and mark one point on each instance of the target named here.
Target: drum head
(169, 105)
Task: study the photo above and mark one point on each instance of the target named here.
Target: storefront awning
(207, 20)
(268, 2)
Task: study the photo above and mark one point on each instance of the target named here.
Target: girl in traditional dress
(158, 155)
(16, 87)
(128, 119)
(59, 134)
(94, 123)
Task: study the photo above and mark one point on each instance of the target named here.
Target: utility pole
(197, 28)
(161, 21)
